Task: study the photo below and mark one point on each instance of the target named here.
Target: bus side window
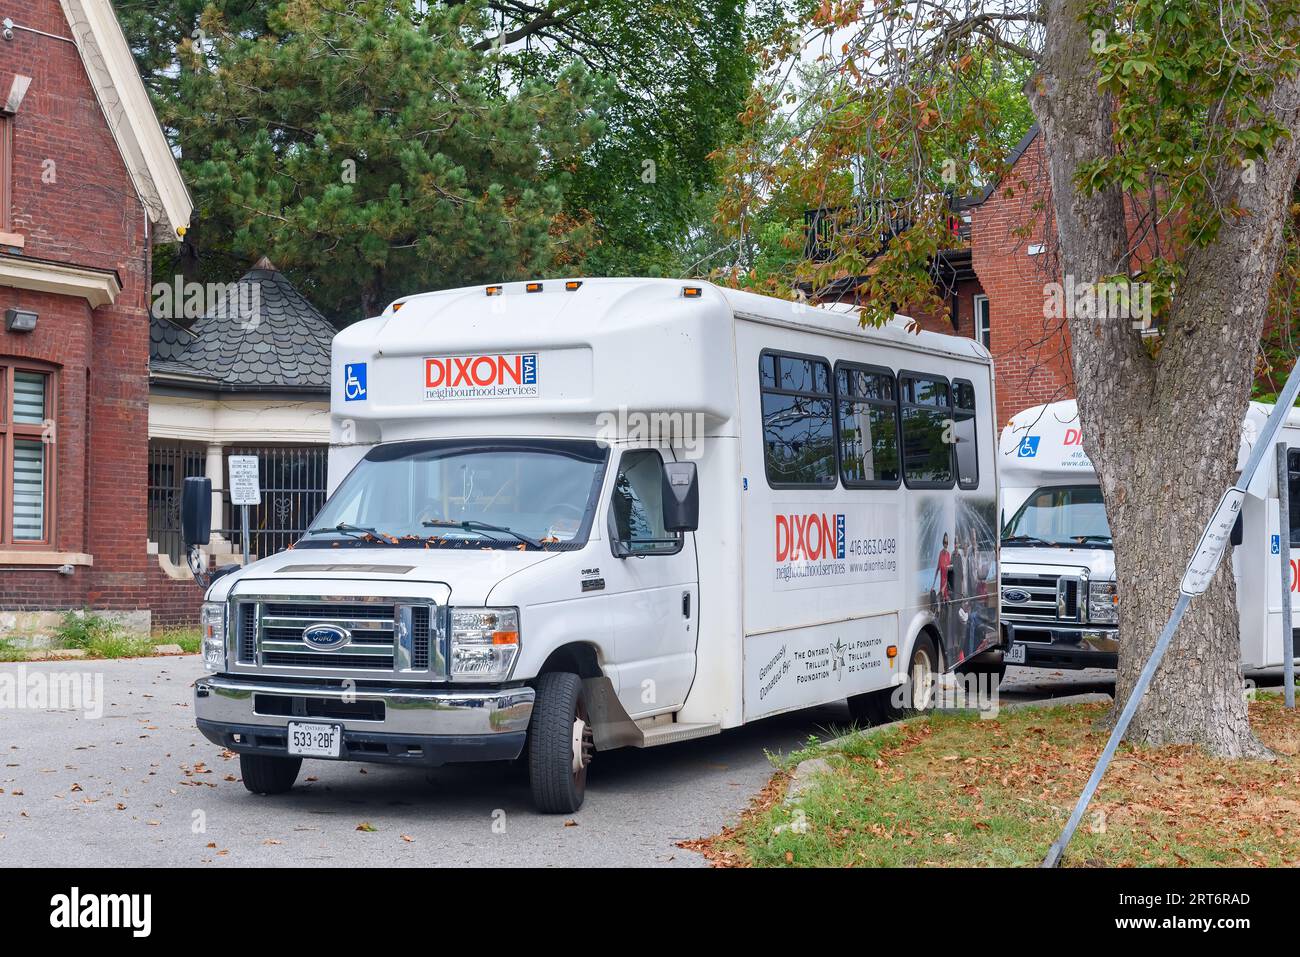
(963, 420)
(927, 413)
(867, 405)
(798, 421)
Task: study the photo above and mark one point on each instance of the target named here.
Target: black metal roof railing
(873, 224)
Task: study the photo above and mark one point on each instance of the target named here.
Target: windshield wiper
(1105, 539)
(1028, 540)
(361, 533)
(470, 526)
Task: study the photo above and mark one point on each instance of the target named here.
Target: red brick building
(993, 282)
(87, 185)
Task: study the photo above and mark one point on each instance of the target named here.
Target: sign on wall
(245, 487)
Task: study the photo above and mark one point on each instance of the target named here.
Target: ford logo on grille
(1015, 596)
(325, 637)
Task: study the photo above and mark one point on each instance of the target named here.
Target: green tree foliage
(491, 138)
(825, 135)
(356, 143)
(674, 76)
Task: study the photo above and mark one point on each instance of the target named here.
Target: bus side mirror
(196, 511)
(681, 497)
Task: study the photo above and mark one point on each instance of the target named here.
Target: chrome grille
(420, 637)
(1051, 598)
(247, 619)
(387, 636)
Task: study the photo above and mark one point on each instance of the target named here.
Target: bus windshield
(1063, 516)
(518, 493)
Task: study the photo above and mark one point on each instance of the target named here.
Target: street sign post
(1200, 570)
(245, 490)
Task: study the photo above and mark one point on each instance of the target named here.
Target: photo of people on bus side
(961, 582)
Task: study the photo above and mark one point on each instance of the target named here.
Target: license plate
(315, 740)
(1015, 655)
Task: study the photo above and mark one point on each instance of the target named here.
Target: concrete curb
(805, 771)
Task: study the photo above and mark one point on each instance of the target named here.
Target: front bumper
(1051, 645)
(393, 725)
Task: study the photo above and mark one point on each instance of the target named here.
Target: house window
(26, 454)
(981, 304)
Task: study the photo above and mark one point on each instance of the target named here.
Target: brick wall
(943, 321)
(1013, 252)
(74, 202)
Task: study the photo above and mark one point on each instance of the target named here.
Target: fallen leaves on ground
(952, 790)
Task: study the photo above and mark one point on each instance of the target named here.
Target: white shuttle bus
(1059, 606)
(569, 516)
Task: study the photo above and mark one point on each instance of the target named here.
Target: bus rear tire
(912, 697)
(559, 744)
(267, 774)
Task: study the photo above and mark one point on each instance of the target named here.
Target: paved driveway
(140, 786)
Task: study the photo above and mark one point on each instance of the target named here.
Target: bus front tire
(559, 744)
(266, 774)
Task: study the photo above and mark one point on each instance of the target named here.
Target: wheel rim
(922, 680)
(583, 745)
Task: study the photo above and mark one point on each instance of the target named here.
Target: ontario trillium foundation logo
(838, 652)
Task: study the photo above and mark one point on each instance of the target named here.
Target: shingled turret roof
(263, 337)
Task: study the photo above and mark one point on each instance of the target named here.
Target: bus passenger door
(652, 589)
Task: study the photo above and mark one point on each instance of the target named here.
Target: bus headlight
(1103, 603)
(484, 642)
(212, 626)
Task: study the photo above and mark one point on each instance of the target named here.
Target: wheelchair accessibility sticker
(354, 381)
(1028, 447)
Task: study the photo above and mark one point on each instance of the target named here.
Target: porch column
(215, 471)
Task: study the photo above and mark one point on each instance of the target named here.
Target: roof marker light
(692, 292)
(397, 306)
(533, 287)
(572, 284)
(494, 290)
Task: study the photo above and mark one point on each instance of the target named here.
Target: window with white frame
(26, 454)
(981, 304)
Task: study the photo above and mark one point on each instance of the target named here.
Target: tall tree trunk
(1163, 431)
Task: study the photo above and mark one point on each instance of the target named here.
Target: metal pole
(1130, 708)
(1284, 562)
(1277, 418)
(243, 521)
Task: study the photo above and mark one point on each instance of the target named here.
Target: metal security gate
(293, 491)
(170, 463)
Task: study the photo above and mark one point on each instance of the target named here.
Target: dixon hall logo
(499, 376)
(809, 537)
